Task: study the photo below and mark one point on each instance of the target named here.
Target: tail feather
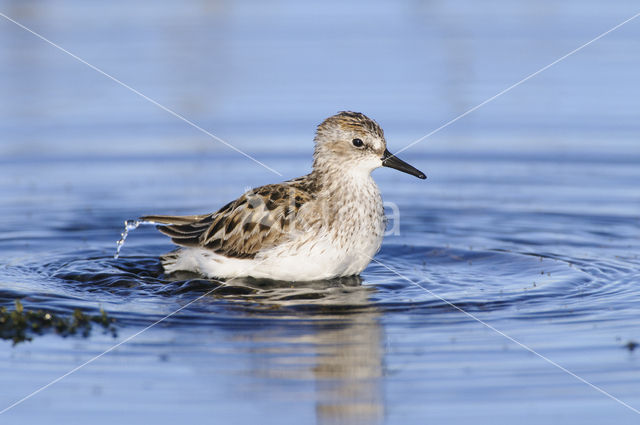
(179, 232)
(180, 239)
(173, 219)
(183, 230)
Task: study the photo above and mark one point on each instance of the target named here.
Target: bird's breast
(356, 217)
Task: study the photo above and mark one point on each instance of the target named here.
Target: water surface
(529, 221)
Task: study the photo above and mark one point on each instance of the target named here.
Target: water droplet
(128, 226)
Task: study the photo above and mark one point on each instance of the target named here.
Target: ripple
(134, 288)
(417, 280)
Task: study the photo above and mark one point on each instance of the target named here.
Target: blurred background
(529, 218)
(262, 74)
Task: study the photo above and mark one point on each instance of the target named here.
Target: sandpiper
(327, 224)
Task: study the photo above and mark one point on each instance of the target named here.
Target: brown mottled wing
(258, 219)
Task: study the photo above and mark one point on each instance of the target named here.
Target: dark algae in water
(21, 325)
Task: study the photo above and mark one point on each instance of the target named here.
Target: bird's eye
(357, 143)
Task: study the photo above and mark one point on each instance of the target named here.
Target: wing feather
(259, 219)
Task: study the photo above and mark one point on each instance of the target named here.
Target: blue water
(529, 221)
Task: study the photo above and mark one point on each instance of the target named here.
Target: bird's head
(352, 142)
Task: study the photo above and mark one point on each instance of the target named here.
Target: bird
(324, 225)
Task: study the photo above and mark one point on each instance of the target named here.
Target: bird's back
(258, 220)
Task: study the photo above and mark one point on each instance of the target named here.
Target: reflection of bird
(334, 358)
(326, 224)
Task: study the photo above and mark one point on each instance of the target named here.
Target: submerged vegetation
(21, 325)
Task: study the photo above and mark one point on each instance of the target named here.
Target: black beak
(391, 161)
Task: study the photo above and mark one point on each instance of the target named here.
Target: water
(129, 225)
(529, 221)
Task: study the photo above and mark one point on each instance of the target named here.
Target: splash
(128, 226)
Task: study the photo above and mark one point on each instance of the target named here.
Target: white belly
(318, 260)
